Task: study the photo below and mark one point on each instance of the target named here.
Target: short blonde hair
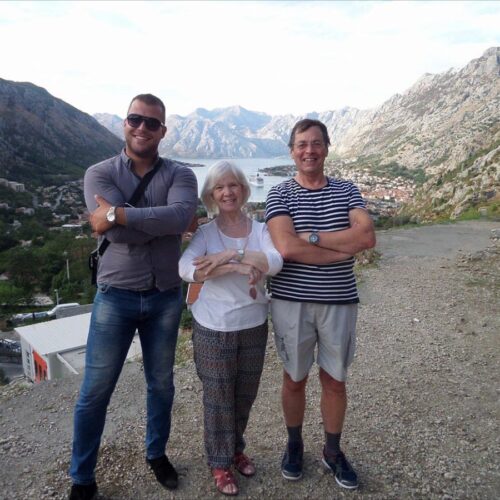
(214, 174)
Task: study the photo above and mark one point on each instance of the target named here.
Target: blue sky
(275, 57)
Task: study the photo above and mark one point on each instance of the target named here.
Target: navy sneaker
(164, 471)
(83, 492)
(291, 465)
(341, 469)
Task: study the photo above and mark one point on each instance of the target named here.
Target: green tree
(9, 294)
(78, 287)
(4, 380)
(23, 268)
(30, 229)
(7, 241)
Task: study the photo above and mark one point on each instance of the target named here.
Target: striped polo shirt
(325, 209)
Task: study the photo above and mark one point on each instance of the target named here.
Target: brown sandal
(223, 479)
(244, 465)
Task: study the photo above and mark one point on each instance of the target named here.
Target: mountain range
(236, 132)
(441, 117)
(44, 140)
(446, 125)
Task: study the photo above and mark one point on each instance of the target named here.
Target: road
(436, 240)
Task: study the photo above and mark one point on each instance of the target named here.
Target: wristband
(240, 255)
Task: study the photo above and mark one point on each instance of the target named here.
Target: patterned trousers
(229, 365)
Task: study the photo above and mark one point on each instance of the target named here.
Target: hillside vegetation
(44, 140)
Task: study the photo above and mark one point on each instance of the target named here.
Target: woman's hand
(208, 263)
(254, 275)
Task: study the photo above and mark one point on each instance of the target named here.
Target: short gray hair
(214, 174)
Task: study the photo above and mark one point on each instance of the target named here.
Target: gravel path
(424, 387)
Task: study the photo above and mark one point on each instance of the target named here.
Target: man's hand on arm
(100, 194)
(207, 263)
(358, 237)
(253, 273)
(296, 249)
(98, 218)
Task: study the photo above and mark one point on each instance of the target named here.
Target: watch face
(111, 215)
(313, 238)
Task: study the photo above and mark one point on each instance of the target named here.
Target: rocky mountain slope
(448, 125)
(236, 132)
(445, 128)
(112, 122)
(441, 119)
(44, 140)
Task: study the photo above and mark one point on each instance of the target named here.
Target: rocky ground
(424, 387)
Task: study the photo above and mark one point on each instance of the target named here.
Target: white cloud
(276, 57)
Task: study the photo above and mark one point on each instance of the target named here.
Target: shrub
(186, 319)
(4, 380)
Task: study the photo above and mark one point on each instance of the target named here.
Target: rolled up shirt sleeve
(274, 258)
(196, 248)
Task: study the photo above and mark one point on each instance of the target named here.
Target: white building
(16, 186)
(56, 348)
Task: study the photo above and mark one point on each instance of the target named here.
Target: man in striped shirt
(318, 224)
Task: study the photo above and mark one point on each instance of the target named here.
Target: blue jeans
(116, 316)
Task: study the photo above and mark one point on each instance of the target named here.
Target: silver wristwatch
(110, 215)
(314, 238)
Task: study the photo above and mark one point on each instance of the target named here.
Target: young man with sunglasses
(138, 288)
(317, 223)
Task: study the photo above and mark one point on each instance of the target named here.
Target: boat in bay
(256, 180)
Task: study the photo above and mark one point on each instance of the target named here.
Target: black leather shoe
(83, 492)
(164, 472)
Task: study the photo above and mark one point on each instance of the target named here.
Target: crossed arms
(334, 246)
(139, 225)
(198, 265)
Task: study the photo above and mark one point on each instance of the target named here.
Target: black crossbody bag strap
(139, 191)
(136, 196)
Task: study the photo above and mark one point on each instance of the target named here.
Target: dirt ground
(423, 391)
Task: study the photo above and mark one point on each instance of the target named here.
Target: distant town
(384, 196)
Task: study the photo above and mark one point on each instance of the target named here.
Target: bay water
(249, 166)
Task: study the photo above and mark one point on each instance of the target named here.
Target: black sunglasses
(152, 124)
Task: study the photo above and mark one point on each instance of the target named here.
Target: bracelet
(241, 255)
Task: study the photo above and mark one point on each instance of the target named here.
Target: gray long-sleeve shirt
(144, 253)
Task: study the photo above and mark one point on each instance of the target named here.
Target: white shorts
(299, 326)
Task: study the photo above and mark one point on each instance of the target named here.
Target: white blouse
(224, 303)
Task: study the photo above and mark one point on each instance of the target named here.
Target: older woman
(231, 255)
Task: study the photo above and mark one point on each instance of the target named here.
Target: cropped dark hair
(303, 125)
(150, 100)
